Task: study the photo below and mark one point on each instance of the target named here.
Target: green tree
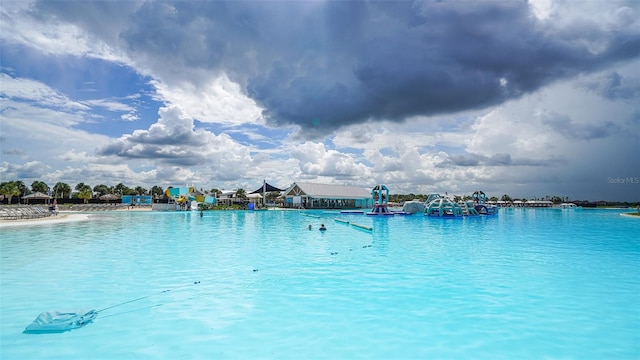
(215, 192)
(61, 190)
(9, 190)
(556, 199)
(101, 189)
(241, 194)
(121, 189)
(505, 197)
(140, 190)
(22, 187)
(84, 192)
(272, 196)
(39, 186)
(156, 190)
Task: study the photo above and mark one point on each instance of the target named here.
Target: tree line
(400, 198)
(84, 191)
(63, 190)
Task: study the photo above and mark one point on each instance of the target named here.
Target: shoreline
(55, 219)
(64, 216)
(630, 215)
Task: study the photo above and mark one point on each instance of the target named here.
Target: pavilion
(324, 196)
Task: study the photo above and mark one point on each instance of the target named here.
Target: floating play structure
(478, 205)
(418, 206)
(568, 206)
(413, 206)
(380, 195)
(440, 206)
(437, 205)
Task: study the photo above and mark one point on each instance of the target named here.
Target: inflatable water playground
(437, 205)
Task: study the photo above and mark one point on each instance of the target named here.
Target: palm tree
(62, 189)
(241, 194)
(39, 186)
(101, 189)
(556, 199)
(84, 192)
(140, 190)
(9, 190)
(272, 196)
(156, 190)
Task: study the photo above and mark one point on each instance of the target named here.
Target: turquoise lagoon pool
(528, 284)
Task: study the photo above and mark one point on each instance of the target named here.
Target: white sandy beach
(60, 218)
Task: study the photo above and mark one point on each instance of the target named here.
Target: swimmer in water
(309, 226)
(322, 228)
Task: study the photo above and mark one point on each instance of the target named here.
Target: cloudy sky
(530, 99)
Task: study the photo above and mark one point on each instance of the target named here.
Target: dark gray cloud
(498, 160)
(612, 85)
(564, 126)
(171, 156)
(18, 152)
(324, 65)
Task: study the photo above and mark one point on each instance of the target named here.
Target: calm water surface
(530, 284)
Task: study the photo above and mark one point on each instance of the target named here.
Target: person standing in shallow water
(322, 228)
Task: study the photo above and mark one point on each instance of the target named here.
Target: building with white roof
(324, 196)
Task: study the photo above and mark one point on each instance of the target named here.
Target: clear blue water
(527, 284)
